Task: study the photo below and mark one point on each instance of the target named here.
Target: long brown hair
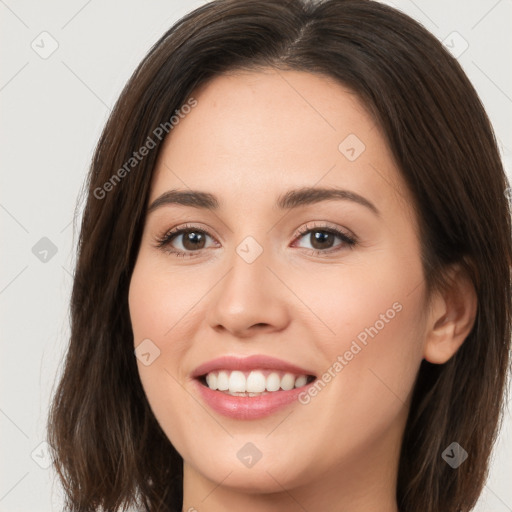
(109, 451)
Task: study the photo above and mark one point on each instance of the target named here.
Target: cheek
(154, 310)
(148, 300)
(158, 301)
(370, 363)
(372, 331)
(163, 309)
(382, 301)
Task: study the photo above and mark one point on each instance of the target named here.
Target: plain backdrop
(63, 65)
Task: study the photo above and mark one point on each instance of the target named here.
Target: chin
(267, 475)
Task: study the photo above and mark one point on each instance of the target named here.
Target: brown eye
(189, 241)
(322, 239)
(192, 240)
(184, 241)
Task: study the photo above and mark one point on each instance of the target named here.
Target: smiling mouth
(253, 383)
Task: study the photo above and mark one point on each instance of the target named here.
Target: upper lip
(255, 362)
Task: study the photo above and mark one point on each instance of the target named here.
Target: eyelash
(163, 242)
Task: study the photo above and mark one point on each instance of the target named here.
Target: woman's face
(264, 275)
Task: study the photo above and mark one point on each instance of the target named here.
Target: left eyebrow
(287, 201)
(194, 198)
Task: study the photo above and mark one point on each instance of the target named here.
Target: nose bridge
(247, 295)
(249, 273)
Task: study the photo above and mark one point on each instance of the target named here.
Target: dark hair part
(109, 451)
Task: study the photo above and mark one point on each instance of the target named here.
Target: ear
(451, 317)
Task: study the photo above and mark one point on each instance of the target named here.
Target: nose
(249, 299)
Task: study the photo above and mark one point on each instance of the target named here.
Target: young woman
(293, 283)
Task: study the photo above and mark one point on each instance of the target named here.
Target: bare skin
(252, 137)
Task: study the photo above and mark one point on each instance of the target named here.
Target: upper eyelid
(324, 225)
(303, 229)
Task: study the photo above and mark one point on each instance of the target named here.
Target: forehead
(254, 134)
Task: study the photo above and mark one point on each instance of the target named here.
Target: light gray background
(52, 111)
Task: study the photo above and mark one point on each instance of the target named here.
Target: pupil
(189, 238)
(320, 236)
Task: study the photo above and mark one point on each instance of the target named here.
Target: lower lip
(249, 407)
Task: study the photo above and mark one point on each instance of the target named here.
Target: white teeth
(273, 382)
(288, 381)
(254, 383)
(301, 381)
(237, 382)
(211, 380)
(222, 381)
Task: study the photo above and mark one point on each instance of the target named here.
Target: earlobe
(451, 318)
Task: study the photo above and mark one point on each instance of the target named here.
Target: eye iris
(195, 239)
(321, 236)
